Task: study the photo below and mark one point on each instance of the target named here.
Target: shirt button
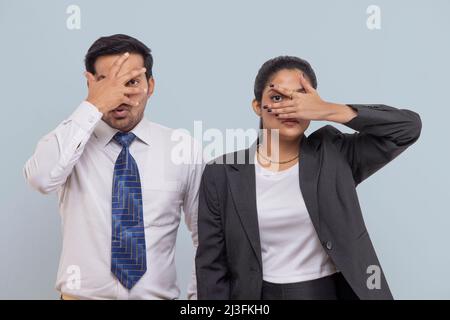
(329, 245)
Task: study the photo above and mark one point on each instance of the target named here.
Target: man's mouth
(121, 111)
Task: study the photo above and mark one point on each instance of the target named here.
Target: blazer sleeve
(383, 133)
(210, 261)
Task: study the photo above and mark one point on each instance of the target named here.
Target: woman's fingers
(285, 110)
(279, 105)
(287, 115)
(305, 83)
(284, 91)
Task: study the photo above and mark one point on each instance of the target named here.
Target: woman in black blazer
(282, 219)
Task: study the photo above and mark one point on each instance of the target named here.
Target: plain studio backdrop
(206, 57)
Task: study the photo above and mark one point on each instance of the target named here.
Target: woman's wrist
(339, 113)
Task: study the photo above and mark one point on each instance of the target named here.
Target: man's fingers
(305, 83)
(132, 74)
(118, 64)
(129, 101)
(131, 90)
(90, 77)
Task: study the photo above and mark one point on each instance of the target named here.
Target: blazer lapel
(242, 184)
(310, 162)
(241, 177)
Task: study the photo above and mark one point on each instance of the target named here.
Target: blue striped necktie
(128, 252)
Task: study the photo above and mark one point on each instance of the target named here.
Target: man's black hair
(272, 66)
(118, 44)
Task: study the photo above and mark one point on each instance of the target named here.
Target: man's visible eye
(276, 98)
(133, 83)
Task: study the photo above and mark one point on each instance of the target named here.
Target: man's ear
(150, 86)
(256, 107)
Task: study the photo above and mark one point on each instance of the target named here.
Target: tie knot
(124, 138)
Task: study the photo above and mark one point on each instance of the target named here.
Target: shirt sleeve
(190, 207)
(57, 152)
(383, 132)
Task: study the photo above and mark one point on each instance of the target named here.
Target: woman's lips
(290, 121)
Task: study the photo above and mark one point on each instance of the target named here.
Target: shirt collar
(104, 133)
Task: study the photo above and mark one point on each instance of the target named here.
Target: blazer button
(329, 245)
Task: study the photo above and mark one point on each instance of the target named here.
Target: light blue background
(206, 55)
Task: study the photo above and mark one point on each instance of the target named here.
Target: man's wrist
(86, 116)
(96, 104)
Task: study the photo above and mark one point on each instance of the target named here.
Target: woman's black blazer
(331, 165)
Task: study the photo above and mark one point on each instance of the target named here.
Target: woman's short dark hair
(118, 44)
(272, 66)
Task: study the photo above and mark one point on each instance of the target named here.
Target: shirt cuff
(364, 114)
(86, 116)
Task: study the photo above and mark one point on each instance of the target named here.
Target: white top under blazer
(291, 249)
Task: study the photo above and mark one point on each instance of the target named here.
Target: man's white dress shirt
(77, 161)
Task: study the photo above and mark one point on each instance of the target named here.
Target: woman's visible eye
(276, 98)
(133, 82)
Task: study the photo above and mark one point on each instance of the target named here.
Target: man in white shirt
(103, 219)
